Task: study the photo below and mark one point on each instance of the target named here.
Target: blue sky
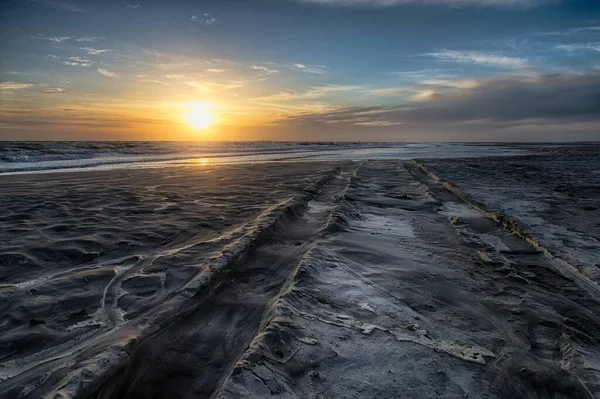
(437, 70)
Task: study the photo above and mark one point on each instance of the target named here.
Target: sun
(200, 116)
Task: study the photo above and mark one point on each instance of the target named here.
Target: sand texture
(373, 279)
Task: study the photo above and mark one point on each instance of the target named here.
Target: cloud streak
(316, 69)
(214, 87)
(264, 70)
(54, 90)
(14, 85)
(572, 48)
(93, 51)
(60, 39)
(78, 61)
(310, 93)
(107, 73)
(472, 57)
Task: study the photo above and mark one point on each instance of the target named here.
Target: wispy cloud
(310, 93)
(391, 91)
(425, 89)
(264, 70)
(571, 48)
(54, 90)
(60, 39)
(154, 81)
(134, 6)
(78, 61)
(378, 123)
(572, 31)
(422, 74)
(14, 85)
(454, 3)
(205, 19)
(94, 51)
(472, 57)
(89, 38)
(212, 87)
(316, 69)
(107, 73)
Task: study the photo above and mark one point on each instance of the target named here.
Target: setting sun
(200, 117)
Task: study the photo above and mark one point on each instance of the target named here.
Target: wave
(33, 156)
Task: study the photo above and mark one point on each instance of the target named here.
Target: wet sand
(299, 280)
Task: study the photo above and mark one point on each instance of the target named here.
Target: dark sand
(345, 280)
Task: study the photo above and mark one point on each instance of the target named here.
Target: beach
(383, 276)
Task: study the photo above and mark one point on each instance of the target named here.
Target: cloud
(391, 91)
(78, 61)
(547, 97)
(89, 38)
(205, 19)
(60, 39)
(454, 3)
(472, 57)
(571, 48)
(499, 103)
(378, 123)
(93, 51)
(316, 69)
(424, 90)
(154, 81)
(54, 90)
(572, 31)
(264, 70)
(310, 93)
(454, 84)
(106, 73)
(134, 6)
(14, 85)
(212, 87)
(422, 74)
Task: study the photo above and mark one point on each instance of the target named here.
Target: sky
(331, 70)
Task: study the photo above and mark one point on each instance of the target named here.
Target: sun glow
(200, 116)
